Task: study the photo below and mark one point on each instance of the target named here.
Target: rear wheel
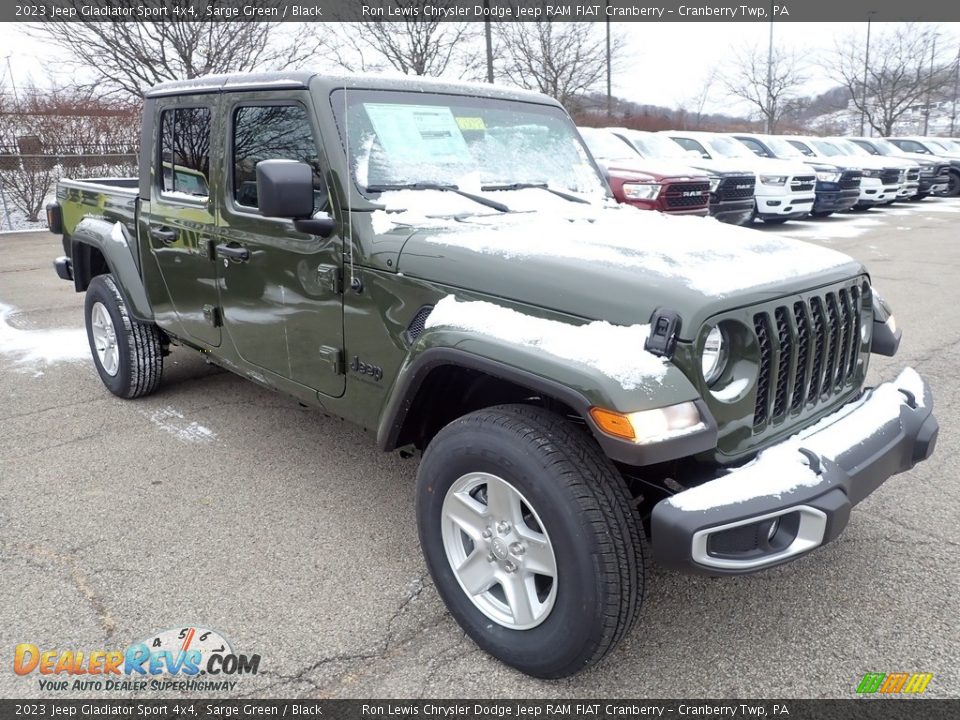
(531, 538)
(127, 354)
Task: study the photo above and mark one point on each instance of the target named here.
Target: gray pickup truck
(590, 386)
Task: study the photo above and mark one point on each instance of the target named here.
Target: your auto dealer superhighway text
(582, 11)
(563, 709)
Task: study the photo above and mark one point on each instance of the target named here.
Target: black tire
(822, 213)
(139, 344)
(774, 221)
(919, 196)
(587, 512)
(953, 185)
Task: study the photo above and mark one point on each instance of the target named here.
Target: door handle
(234, 252)
(164, 235)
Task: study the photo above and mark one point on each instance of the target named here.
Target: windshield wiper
(537, 186)
(443, 187)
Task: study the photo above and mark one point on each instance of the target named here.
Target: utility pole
(956, 92)
(488, 33)
(768, 125)
(609, 74)
(866, 66)
(926, 109)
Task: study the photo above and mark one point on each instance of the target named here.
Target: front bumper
(873, 192)
(736, 212)
(784, 205)
(797, 495)
(908, 189)
(836, 200)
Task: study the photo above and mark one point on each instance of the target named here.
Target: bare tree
(127, 55)
(691, 110)
(26, 180)
(562, 59)
(899, 72)
(415, 40)
(770, 83)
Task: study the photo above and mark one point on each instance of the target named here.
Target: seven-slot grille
(808, 351)
(913, 174)
(737, 188)
(803, 183)
(850, 179)
(890, 176)
(687, 194)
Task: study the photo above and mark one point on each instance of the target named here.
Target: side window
(272, 132)
(688, 144)
(755, 147)
(916, 147)
(867, 146)
(185, 152)
(802, 148)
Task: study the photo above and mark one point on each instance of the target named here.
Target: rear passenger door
(180, 221)
(282, 298)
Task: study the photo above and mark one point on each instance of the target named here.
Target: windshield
(605, 145)
(885, 147)
(728, 147)
(657, 146)
(849, 147)
(782, 148)
(397, 138)
(947, 145)
(828, 148)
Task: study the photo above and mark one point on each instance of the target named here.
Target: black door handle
(164, 235)
(234, 252)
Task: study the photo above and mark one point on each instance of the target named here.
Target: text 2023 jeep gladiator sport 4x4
(444, 265)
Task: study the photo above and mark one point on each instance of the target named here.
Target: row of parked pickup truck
(741, 177)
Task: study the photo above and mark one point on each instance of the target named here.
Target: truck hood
(768, 166)
(723, 166)
(613, 263)
(659, 169)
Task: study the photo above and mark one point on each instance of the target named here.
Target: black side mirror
(285, 190)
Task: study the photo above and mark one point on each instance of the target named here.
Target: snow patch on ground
(39, 348)
(833, 228)
(171, 420)
(615, 350)
(782, 468)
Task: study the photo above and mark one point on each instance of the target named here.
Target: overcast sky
(665, 63)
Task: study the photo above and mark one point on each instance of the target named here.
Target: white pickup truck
(785, 189)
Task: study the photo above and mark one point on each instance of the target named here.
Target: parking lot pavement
(217, 504)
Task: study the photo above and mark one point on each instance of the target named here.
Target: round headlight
(712, 360)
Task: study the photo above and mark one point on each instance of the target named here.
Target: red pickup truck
(648, 184)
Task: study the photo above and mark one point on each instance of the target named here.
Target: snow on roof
(782, 469)
(615, 350)
(714, 258)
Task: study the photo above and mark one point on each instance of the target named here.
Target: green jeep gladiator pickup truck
(591, 386)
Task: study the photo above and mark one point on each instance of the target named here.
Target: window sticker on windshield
(471, 123)
(418, 132)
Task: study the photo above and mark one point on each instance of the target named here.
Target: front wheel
(127, 353)
(953, 185)
(775, 221)
(531, 538)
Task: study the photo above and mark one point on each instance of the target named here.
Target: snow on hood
(640, 166)
(782, 468)
(38, 348)
(714, 258)
(599, 344)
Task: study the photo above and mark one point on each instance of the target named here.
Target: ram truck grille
(803, 183)
(737, 188)
(850, 179)
(687, 195)
(890, 176)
